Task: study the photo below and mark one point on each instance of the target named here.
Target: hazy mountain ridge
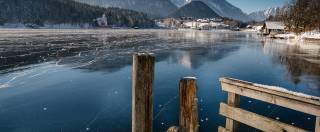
(180, 3)
(195, 9)
(221, 7)
(158, 8)
(65, 11)
(263, 15)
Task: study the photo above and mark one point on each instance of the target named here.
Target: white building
(191, 24)
(102, 21)
(205, 25)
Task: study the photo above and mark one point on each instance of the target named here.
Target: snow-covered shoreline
(311, 35)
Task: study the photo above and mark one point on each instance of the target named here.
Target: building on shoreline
(190, 23)
(273, 28)
(102, 21)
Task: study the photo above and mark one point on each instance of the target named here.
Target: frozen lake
(80, 80)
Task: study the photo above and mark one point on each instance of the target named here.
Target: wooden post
(174, 129)
(142, 92)
(189, 117)
(233, 100)
(317, 124)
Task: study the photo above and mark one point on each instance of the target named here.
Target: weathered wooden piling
(174, 129)
(142, 92)
(317, 128)
(189, 117)
(234, 101)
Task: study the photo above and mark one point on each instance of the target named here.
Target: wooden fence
(142, 102)
(270, 94)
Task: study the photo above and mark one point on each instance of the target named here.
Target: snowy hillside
(180, 3)
(221, 7)
(39, 13)
(195, 9)
(158, 8)
(263, 15)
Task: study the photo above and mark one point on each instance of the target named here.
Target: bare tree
(300, 15)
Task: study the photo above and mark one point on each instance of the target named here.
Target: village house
(168, 23)
(190, 23)
(272, 28)
(103, 21)
(205, 24)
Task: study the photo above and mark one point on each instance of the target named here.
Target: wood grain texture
(222, 129)
(142, 92)
(234, 101)
(255, 120)
(283, 93)
(273, 99)
(189, 117)
(174, 129)
(317, 125)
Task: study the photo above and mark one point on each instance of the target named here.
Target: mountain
(221, 7)
(263, 15)
(65, 11)
(180, 3)
(195, 9)
(156, 8)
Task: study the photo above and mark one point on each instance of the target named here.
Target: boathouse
(272, 28)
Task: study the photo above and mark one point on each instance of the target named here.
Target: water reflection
(83, 80)
(301, 60)
(97, 49)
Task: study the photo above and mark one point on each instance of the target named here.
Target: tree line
(300, 15)
(42, 12)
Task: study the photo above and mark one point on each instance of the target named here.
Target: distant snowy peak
(180, 3)
(195, 9)
(221, 7)
(263, 15)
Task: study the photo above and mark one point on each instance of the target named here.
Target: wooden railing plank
(273, 90)
(272, 98)
(222, 129)
(174, 129)
(255, 120)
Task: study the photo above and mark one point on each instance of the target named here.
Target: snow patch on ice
(286, 36)
(4, 85)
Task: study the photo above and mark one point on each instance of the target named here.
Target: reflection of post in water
(263, 42)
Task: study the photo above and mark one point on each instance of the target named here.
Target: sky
(249, 6)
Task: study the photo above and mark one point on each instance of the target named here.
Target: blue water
(91, 90)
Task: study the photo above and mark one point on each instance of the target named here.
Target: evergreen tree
(66, 11)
